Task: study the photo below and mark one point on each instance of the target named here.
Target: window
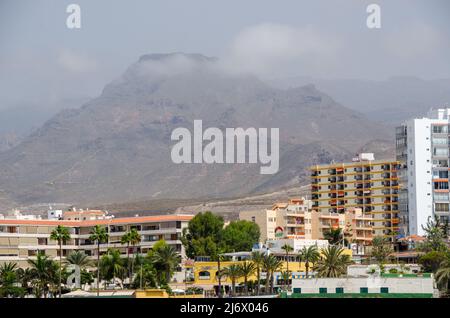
(297, 290)
(204, 275)
(441, 207)
(440, 152)
(441, 185)
(439, 129)
(364, 290)
(339, 290)
(441, 197)
(254, 219)
(384, 290)
(322, 290)
(440, 141)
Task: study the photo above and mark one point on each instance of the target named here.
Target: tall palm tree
(135, 239)
(125, 239)
(61, 235)
(333, 263)
(234, 272)
(167, 258)
(270, 265)
(287, 249)
(258, 258)
(247, 269)
(111, 265)
(274, 265)
(443, 274)
(99, 235)
(309, 255)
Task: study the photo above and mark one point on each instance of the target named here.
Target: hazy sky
(42, 62)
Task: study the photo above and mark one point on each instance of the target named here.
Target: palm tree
(287, 248)
(125, 239)
(99, 235)
(258, 258)
(61, 235)
(8, 277)
(309, 255)
(134, 238)
(234, 272)
(168, 259)
(43, 270)
(270, 265)
(443, 274)
(78, 258)
(112, 265)
(285, 276)
(333, 263)
(247, 269)
(274, 265)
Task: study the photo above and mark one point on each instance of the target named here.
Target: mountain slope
(392, 100)
(117, 147)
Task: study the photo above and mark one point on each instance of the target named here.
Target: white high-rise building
(423, 149)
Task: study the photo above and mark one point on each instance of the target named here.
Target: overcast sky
(43, 62)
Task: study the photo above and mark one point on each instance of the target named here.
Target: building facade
(296, 220)
(21, 240)
(368, 184)
(423, 149)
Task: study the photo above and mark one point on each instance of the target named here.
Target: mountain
(391, 101)
(116, 147)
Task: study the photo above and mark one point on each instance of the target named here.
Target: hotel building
(423, 150)
(22, 239)
(368, 184)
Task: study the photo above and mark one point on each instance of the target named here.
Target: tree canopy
(206, 236)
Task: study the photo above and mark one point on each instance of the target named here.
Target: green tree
(309, 255)
(125, 240)
(443, 274)
(381, 249)
(111, 265)
(240, 236)
(9, 277)
(98, 235)
(168, 259)
(247, 269)
(203, 236)
(435, 232)
(258, 260)
(146, 276)
(44, 271)
(432, 260)
(335, 236)
(271, 264)
(61, 235)
(332, 263)
(78, 258)
(233, 272)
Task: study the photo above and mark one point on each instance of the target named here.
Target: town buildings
(296, 220)
(423, 150)
(368, 184)
(22, 239)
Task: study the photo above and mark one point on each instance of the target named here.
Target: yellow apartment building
(368, 184)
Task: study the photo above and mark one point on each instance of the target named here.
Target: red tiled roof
(76, 223)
